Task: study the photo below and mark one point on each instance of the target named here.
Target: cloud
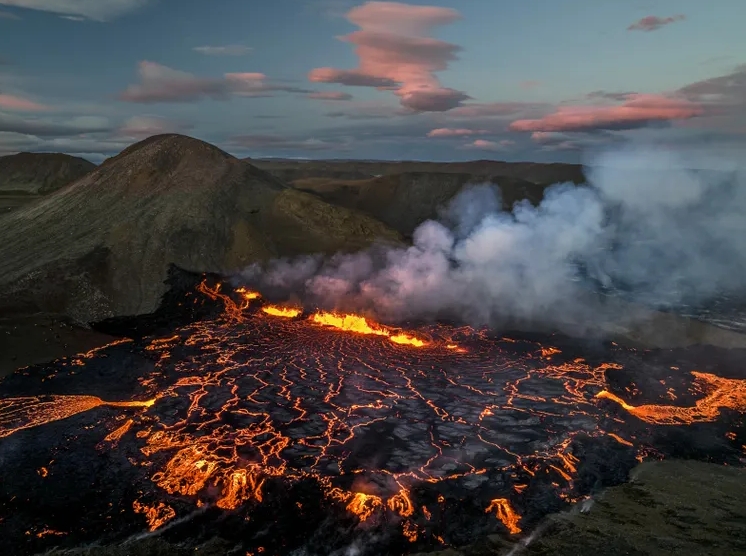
(226, 50)
(275, 142)
(726, 90)
(141, 127)
(53, 128)
(493, 109)
(484, 145)
(653, 23)
(637, 111)
(160, 83)
(11, 102)
(396, 53)
(97, 10)
(606, 95)
(459, 132)
(330, 95)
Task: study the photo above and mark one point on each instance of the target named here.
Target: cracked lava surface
(297, 432)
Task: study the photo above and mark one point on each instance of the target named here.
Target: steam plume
(661, 228)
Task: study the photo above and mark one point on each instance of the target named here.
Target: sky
(424, 80)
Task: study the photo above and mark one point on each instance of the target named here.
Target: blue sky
(436, 80)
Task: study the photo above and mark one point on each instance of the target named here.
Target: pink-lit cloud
(159, 83)
(637, 111)
(493, 109)
(484, 145)
(14, 103)
(396, 53)
(456, 132)
(653, 23)
(330, 95)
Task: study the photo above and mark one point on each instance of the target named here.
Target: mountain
(102, 245)
(403, 201)
(40, 173)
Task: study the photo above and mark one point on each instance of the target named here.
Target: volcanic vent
(101, 246)
(285, 430)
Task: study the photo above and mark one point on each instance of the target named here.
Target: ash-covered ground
(289, 435)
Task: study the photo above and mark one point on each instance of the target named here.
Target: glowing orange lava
(24, 413)
(721, 393)
(505, 514)
(349, 323)
(360, 325)
(284, 312)
(404, 339)
(363, 505)
(156, 515)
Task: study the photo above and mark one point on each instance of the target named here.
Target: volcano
(101, 245)
(282, 429)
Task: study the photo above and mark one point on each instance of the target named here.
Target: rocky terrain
(101, 246)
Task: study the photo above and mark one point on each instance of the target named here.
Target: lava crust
(286, 431)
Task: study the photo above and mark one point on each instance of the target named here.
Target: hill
(291, 170)
(40, 173)
(403, 201)
(101, 246)
(26, 176)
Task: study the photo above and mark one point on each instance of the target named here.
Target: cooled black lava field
(292, 432)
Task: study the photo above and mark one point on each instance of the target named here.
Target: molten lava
(721, 393)
(24, 413)
(360, 325)
(505, 514)
(349, 323)
(284, 312)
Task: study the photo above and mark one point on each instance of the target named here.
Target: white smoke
(663, 228)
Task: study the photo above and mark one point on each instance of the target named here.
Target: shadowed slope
(101, 246)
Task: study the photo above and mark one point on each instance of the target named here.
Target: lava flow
(316, 429)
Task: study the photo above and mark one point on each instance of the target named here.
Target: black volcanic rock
(101, 246)
(40, 173)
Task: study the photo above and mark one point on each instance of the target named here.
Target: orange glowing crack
(284, 312)
(505, 513)
(721, 393)
(24, 413)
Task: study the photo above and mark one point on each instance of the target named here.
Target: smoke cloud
(652, 225)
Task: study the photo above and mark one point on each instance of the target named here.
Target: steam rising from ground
(662, 228)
